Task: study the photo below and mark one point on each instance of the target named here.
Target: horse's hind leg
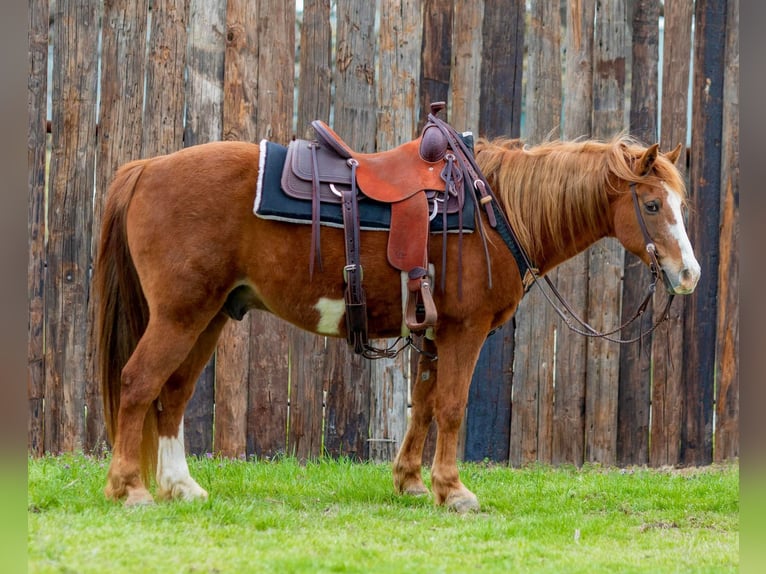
(173, 478)
(163, 347)
(409, 459)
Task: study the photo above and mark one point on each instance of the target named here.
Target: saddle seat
(394, 175)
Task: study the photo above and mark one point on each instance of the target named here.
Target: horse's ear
(646, 162)
(674, 154)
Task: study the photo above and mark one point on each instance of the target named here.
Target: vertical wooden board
(436, 54)
(605, 258)
(388, 407)
(267, 387)
(75, 65)
(572, 276)
(399, 63)
(633, 411)
(348, 375)
(705, 179)
(501, 68)
(488, 415)
(120, 126)
(231, 384)
(436, 64)
(348, 403)
(488, 419)
(269, 370)
(533, 369)
(164, 110)
(315, 76)
(465, 76)
(399, 45)
(727, 346)
(308, 357)
(37, 145)
(204, 123)
(308, 353)
(667, 342)
(233, 352)
(354, 103)
(602, 364)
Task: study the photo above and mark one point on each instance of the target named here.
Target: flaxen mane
(558, 186)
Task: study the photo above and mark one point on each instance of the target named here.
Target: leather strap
(316, 253)
(356, 302)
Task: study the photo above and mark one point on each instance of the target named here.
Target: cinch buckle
(348, 268)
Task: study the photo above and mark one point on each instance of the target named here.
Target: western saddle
(428, 170)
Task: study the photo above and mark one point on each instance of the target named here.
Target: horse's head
(650, 216)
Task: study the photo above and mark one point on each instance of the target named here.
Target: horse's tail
(122, 311)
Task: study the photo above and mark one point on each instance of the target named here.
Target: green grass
(336, 516)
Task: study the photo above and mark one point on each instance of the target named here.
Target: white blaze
(677, 230)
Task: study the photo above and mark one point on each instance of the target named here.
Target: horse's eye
(652, 206)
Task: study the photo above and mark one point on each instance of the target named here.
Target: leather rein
(580, 326)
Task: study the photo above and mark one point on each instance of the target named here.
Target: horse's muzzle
(682, 282)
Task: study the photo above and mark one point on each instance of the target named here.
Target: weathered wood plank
(436, 54)
(269, 370)
(37, 145)
(399, 45)
(633, 409)
(606, 257)
(348, 375)
(572, 276)
(233, 351)
(308, 358)
(123, 64)
(536, 323)
(315, 76)
(308, 354)
(436, 65)
(488, 418)
(204, 123)
(667, 342)
(705, 179)
(72, 172)
(163, 125)
(501, 68)
(465, 76)
(727, 398)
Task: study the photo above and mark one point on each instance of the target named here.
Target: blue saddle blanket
(273, 203)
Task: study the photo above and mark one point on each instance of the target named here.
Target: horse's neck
(552, 256)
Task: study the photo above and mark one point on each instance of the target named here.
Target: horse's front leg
(459, 349)
(409, 459)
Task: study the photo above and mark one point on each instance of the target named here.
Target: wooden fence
(134, 78)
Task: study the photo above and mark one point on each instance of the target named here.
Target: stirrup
(420, 302)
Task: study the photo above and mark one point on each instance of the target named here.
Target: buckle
(353, 268)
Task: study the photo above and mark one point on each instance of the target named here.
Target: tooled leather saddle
(427, 171)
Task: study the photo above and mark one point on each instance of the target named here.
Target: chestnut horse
(180, 241)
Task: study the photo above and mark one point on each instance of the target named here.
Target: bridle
(578, 325)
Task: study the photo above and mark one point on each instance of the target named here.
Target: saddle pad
(271, 202)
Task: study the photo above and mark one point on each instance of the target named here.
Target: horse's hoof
(416, 490)
(139, 497)
(462, 502)
(187, 490)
